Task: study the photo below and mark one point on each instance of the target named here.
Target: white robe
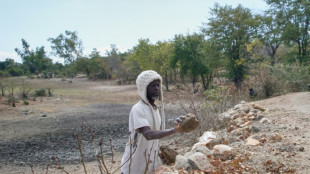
(141, 115)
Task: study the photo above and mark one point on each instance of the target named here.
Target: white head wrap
(143, 80)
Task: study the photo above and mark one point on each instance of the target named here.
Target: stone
(245, 109)
(242, 102)
(225, 117)
(238, 107)
(231, 140)
(207, 136)
(260, 116)
(252, 142)
(276, 137)
(286, 148)
(43, 115)
(162, 169)
(240, 131)
(189, 123)
(202, 149)
(260, 107)
(223, 152)
(167, 155)
(181, 162)
(254, 129)
(238, 121)
(246, 124)
(265, 120)
(213, 142)
(301, 149)
(199, 161)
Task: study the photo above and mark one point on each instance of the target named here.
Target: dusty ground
(33, 138)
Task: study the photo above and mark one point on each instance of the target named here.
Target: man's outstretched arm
(150, 134)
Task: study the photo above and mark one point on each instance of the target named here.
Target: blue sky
(100, 23)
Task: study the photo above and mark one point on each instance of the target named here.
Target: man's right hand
(178, 121)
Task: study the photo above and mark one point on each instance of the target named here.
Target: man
(141, 152)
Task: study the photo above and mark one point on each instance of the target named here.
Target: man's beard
(155, 97)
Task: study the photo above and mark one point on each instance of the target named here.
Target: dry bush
(206, 105)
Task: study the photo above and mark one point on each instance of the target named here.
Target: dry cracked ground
(32, 134)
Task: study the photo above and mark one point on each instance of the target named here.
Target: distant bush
(26, 102)
(40, 92)
(49, 92)
(295, 77)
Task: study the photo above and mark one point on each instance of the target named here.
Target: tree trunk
(204, 84)
(166, 81)
(194, 81)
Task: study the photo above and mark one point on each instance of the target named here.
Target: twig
(126, 160)
(47, 168)
(148, 159)
(31, 166)
(95, 148)
(102, 160)
(81, 152)
(111, 146)
(58, 165)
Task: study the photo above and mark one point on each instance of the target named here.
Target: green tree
(35, 61)
(143, 54)
(67, 46)
(188, 56)
(270, 33)
(295, 17)
(231, 29)
(163, 54)
(114, 60)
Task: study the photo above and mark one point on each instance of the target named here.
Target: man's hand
(177, 122)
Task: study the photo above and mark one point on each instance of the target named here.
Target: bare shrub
(3, 85)
(40, 93)
(24, 90)
(294, 77)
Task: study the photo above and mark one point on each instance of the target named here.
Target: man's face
(153, 90)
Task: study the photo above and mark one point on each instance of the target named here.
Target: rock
(43, 115)
(265, 120)
(246, 124)
(301, 149)
(252, 142)
(245, 109)
(213, 142)
(260, 116)
(240, 131)
(167, 155)
(254, 129)
(231, 140)
(162, 169)
(199, 161)
(232, 112)
(223, 152)
(189, 124)
(207, 136)
(286, 148)
(202, 149)
(276, 137)
(181, 162)
(225, 117)
(238, 106)
(256, 106)
(242, 102)
(238, 121)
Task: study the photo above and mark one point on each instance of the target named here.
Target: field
(46, 128)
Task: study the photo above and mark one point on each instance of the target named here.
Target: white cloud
(5, 55)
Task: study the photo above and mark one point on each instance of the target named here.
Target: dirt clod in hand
(189, 123)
